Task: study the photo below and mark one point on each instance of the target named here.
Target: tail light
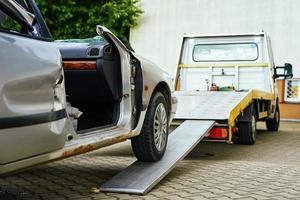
(218, 133)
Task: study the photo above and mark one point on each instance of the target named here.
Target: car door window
(9, 22)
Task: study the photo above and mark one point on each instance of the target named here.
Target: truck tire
(247, 130)
(273, 123)
(151, 144)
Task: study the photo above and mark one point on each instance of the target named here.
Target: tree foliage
(78, 18)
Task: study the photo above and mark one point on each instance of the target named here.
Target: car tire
(151, 144)
(247, 130)
(273, 123)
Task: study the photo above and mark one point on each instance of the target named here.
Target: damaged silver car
(59, 99)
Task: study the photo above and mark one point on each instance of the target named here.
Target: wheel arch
(164, 88)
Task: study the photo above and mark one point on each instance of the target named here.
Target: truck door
(32, 99)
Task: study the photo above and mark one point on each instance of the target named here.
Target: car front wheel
(151, 144)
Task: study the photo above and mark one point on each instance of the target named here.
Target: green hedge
(78, 18)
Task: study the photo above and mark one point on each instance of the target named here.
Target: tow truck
(224, 84)
(229, 79)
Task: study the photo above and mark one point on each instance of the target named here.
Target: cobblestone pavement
(268, 170)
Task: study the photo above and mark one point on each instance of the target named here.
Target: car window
(9, 24)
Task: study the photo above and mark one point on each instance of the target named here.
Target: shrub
(78, 18)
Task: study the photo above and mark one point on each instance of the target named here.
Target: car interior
(93, 82)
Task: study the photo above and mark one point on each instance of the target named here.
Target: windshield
(225, 52)
(97, 40)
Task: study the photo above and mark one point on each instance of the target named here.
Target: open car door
(32, 99)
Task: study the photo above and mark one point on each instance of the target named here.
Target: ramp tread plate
(141, 177)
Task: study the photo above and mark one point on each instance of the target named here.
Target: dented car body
(59, 99)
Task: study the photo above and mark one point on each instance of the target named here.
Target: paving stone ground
(268, 170)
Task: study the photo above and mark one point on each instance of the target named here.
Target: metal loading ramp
(141, 177)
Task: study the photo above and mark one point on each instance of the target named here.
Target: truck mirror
(287, 71)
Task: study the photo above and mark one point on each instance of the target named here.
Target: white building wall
(158, 36)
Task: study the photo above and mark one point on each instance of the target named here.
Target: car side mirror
(287, 71)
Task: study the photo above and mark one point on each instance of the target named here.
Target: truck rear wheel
(273, 123)
(247, 130)
(151, 144)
